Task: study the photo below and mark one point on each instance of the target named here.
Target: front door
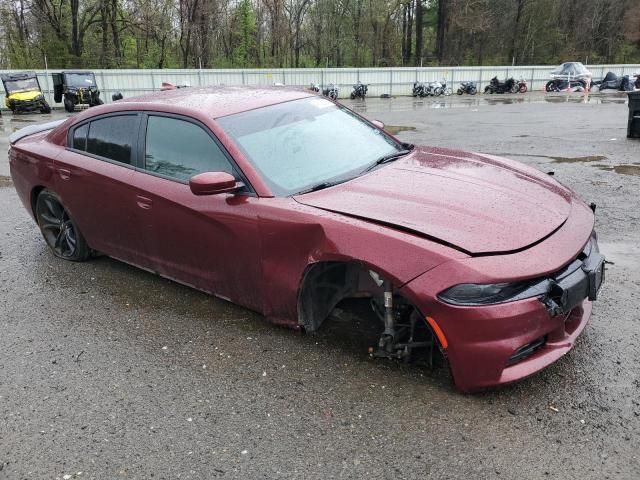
(210, 242)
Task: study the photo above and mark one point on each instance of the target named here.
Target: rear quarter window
(79, 137)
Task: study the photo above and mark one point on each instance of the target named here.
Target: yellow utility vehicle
(23, 93)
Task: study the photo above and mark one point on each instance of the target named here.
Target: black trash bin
(633, 128)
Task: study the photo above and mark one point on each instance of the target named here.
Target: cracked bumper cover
(484, 341)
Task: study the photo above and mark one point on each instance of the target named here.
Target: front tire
(45, 108)
(523, 89)
(59, 230)
(69, 106)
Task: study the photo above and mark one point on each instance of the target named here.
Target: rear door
(210, 242)
(94, 179)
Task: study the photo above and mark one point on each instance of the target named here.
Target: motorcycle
(566, 86)
(612, 82)
(359, 90)
(569, 77)
(441, 88)
(468, 87)
(521, 86)
(419, 90)
(314, 88)
(496, 86)
(330, 91)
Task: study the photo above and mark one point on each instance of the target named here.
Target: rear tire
(523, 89)
(59, 230)
(473, 90)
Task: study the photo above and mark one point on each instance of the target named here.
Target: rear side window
(180, 149)
(112, 137)
(79, 140)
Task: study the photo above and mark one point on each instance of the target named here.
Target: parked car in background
(23, 93)
(287, 203)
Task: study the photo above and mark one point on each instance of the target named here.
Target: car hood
(476, 203)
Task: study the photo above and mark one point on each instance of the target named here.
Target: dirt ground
(109, 372)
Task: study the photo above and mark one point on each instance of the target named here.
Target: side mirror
(212, 183)
(378, 124)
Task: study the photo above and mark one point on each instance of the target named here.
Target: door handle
(144, 202)
(64, 173)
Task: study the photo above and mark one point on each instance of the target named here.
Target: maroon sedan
(287, 203)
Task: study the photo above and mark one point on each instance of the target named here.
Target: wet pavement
(107, 371)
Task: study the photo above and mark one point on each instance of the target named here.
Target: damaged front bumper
(496, 344)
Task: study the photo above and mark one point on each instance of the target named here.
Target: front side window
(113, 137)
(302, 143)
(179, 149)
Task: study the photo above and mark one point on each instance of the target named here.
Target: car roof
(221, 101)
(18, 76)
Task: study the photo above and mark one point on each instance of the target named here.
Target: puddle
(622, 254)
(504, 100)
(5, 181)
(16, 119)
(395, 129)
(622, 169)
(590, 158)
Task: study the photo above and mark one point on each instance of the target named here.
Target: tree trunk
(410, 31)
(443, 20)
(76, 49)
(516, 31)
(419, 30)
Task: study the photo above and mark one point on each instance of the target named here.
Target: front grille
(526, 351)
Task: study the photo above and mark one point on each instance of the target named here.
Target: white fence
(391, 81)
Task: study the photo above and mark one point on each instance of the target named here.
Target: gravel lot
(109, 372)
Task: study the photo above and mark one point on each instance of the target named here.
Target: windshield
(573, 69)
(297, 145)
(21, 85)
(79, 80)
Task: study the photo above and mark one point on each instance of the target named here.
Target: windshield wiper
(388, 158)
(319, 186)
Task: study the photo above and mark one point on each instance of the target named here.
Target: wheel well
(34, 197)
(324, 285)
(404, 329)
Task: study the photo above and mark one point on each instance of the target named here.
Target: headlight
(478, 294)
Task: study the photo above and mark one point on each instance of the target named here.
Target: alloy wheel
(57, 228)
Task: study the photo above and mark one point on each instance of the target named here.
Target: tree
(245, 34)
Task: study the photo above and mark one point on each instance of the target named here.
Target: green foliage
(312, 33)
(244, 31)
